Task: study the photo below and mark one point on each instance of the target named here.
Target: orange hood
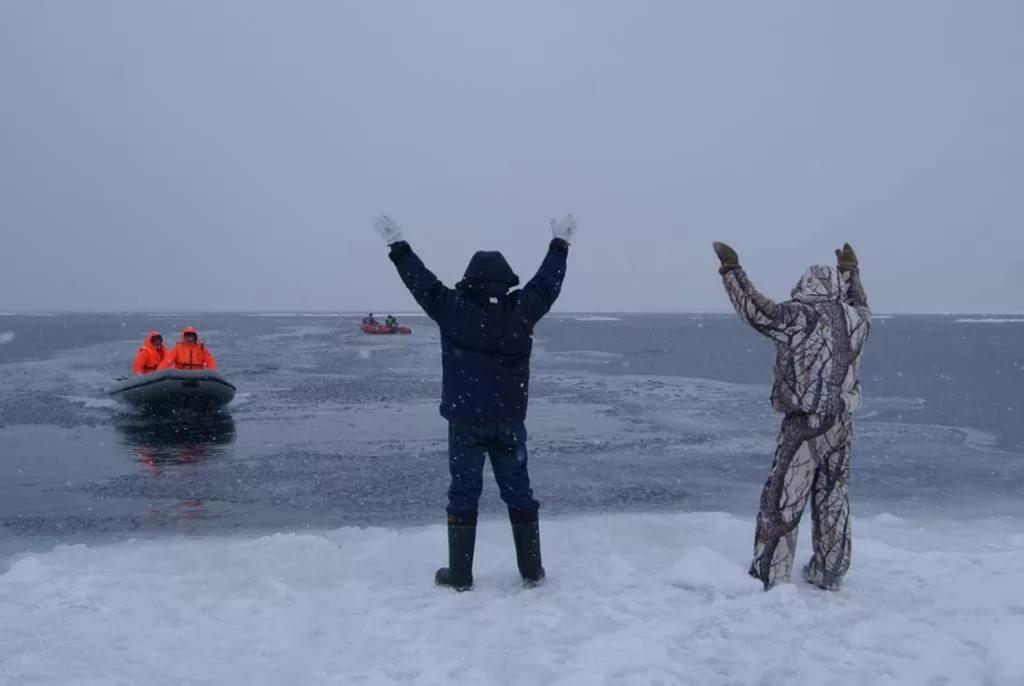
(148, 343)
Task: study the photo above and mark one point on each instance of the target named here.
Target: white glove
(564, 229)
(388, 229)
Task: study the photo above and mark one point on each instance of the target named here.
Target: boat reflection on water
(181, 439)
(175, 447)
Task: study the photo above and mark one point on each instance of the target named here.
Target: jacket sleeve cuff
(399, 250)
(560, 246)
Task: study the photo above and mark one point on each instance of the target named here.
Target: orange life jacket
(190, 355)
(153, 359)
(149, 356)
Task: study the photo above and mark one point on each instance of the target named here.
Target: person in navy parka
(486, 343)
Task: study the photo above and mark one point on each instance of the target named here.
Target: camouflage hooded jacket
(819, 336)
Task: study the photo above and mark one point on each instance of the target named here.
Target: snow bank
(631, 599)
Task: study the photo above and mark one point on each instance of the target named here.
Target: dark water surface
(331, 427)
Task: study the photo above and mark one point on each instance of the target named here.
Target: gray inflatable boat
(176, 389)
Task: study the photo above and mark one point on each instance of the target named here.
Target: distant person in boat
(151, 355)
(369, 320)
(391, 322)
(819, 336)
(486, 343)
(189, 353)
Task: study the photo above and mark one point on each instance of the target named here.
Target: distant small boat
(176, 389)
(384, 329)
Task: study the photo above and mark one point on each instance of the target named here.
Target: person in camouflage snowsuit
(819, 336)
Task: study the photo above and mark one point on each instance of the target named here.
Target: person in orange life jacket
(150, 355)
(189, 353)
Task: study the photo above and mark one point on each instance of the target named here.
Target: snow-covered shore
(631, 599)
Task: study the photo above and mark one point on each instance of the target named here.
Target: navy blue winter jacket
(486, 330)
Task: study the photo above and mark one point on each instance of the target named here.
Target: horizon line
(407, 312)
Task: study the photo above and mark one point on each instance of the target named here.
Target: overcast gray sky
(232, 155)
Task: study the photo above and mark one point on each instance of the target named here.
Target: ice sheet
(631, 599)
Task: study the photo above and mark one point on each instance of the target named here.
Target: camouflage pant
(812, 461)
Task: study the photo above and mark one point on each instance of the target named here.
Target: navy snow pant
(468, 446)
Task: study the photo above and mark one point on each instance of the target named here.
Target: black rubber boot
(458, 575)
(526, 534)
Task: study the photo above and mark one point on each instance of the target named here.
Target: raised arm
(540, 294)
(778, 321)
(432, 295)
(853, 289)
